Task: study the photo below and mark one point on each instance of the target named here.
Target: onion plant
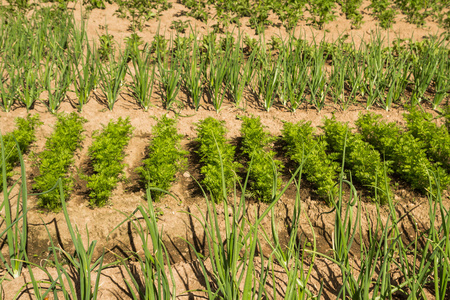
(10, 76)
(169, 70)
(143, 75)
(112, 74)
(442, 82)
(156, 282)
(216, 73)
(30, 88)
(56, 79)
(86, 75)
(317, 79)
(16, 223)
(425, 65)
(374, 62)
(269, 79)
(193, 70)
(240, 73)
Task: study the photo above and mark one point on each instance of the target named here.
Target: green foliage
(304, 148)
(322, 12)
(165, 157)
(384, 14)
(179, 26)
(25, 135)
(407, 153)
(216, 154)
(436, 138)
(55, 160)
(263, 167)
(350, 9)
(361, 158)
(106, 154)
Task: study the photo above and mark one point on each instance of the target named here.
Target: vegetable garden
(221, 153)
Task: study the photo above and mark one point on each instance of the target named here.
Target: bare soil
(174, 218)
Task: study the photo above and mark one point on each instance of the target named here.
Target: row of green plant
(54, 162)
(165, 158)
(376, 151)
(238, 270)
(23, 136)
(263, 169)
(44, 65)
(106, 155)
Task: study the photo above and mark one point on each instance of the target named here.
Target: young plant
(310, 152)
(216, 73)
(10, 76)
(143, 75)
(407, 153)
(269, 79)
(165, 157)
(55, 160)
(56, 81)
(360, 158)
(169, 77)
(24, 135)
(263, 170)
(193, 68)
(436, 138)
(86, 77)
(106, 154)
(317, 80)
(30, 88)
(112, 74)
(216, 156)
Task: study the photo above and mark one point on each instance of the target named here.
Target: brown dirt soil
(176, 223)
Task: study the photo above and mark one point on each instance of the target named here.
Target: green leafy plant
(310, 152)
(436, 138)
(360, 158)
(55, 160)
(24, 134)
(263, 169)
(407, 153)
(143, 75)
(216, 157)
(165, 157)
(106, 154)
(179, 26)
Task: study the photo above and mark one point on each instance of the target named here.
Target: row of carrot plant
(38, 64)
(417, 154)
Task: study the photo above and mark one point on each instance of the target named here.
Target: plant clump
(217, 158)
(165, 157)
(264, 169)
(55, 160)
(106, 154)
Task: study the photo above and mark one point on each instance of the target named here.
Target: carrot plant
(165, 157)
(407, 153)
(310, 152)
(55, 160)
(360, 158)
(106, 154)
(436, 138)
(216, 156)
(24, 134)
(263, 169)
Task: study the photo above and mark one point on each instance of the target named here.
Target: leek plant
(143, 78)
